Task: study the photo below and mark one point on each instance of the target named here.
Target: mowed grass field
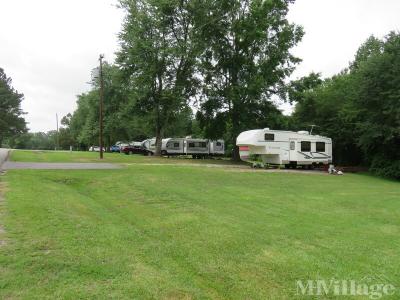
(184, 232)
(93, 157)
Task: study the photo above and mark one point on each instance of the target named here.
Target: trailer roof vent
(266, 128)
(303, 132)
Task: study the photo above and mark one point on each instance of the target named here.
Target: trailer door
(293, 150)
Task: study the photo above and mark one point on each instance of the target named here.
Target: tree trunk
(235, 149)
(235, 153)
(158, 141)
(235, 118)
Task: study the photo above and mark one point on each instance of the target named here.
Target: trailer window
(320, 147)
(305, 146)
(292, 145)
(198, 145)
(172, 145)
(269, 137)
(219, 144)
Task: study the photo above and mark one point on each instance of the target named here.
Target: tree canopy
(12, 121)
(216, 68)
(157, 58)
(245, 59)
(360, 107)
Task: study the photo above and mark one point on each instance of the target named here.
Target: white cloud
(334, 30)
(49, 48)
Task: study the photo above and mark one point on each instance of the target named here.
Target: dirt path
(3, 157)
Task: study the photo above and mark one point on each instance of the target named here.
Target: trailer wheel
(163, 153)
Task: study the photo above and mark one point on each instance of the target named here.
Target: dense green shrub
(382, 166)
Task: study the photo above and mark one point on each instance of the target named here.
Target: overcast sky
(48, 47)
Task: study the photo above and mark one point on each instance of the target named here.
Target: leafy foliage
(231, 58)
(360, 107)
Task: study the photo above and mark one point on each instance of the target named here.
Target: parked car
(115, 148)
(135, 148)
(96, 149)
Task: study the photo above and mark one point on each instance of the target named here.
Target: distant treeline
(213, 69)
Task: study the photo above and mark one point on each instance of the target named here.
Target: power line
(101, 105)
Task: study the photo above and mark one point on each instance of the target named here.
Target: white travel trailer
(186, 146)
(287, 148)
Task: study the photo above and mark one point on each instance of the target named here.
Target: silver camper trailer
(173, 146)
(186, 146)
(197, 147)
(217, 148)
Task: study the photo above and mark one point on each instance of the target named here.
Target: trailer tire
(164, 153)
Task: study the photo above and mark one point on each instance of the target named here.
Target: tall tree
(360, 107)
(245, 60)
(378, 102)
(11, 115)
(158, 57)
(330, 106)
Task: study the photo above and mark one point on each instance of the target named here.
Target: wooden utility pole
(57, 136)
(101, 105)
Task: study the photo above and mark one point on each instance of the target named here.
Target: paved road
(3, 156)
(58, 166)
(9, 165)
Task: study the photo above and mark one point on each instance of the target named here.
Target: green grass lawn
(78, 156)
(181, 232)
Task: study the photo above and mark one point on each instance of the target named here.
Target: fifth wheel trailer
(289, 148)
